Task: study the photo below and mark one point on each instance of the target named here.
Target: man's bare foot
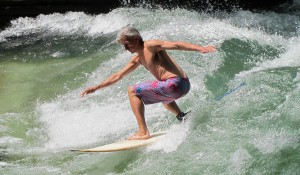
(140, 136)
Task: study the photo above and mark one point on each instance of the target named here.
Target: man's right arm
(131, 66)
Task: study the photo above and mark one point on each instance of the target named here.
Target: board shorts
(165, 91)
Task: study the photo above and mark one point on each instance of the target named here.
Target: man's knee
(131, 90)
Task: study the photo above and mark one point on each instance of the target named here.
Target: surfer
(171, 81)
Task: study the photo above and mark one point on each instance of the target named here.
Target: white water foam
(174, 137)
(82, 126)
(70, 23)
(214, 31)
(289, 59)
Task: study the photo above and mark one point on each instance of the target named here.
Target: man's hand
(206, 49)
(88, 91)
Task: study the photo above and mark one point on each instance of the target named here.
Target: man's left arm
(178, 45)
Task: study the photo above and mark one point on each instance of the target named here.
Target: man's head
(130, 38)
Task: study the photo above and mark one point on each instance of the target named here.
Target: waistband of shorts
(184, 78)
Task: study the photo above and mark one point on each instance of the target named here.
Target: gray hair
(128, 32)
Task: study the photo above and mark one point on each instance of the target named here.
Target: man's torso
(160, 64)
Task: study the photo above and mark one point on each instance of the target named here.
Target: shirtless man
(171, 81)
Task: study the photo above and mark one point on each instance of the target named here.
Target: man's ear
(138, 40)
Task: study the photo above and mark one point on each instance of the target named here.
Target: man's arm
(131, 66)
(169, 45)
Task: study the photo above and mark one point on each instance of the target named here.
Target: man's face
(129, 45)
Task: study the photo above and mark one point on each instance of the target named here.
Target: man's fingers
(82, 94)
(210, 49)
(87, 91)
(207, 49)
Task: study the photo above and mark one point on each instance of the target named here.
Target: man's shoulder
(153, 43)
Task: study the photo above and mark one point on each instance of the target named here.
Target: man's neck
(140, 51)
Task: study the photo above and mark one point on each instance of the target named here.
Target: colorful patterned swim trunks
(165, 91)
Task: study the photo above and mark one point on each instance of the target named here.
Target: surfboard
(126, 144)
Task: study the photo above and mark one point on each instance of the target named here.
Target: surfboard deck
(126, 144)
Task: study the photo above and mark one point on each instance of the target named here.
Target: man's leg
(138, 109)
(173, 107)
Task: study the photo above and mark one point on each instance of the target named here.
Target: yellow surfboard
(126, 144)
